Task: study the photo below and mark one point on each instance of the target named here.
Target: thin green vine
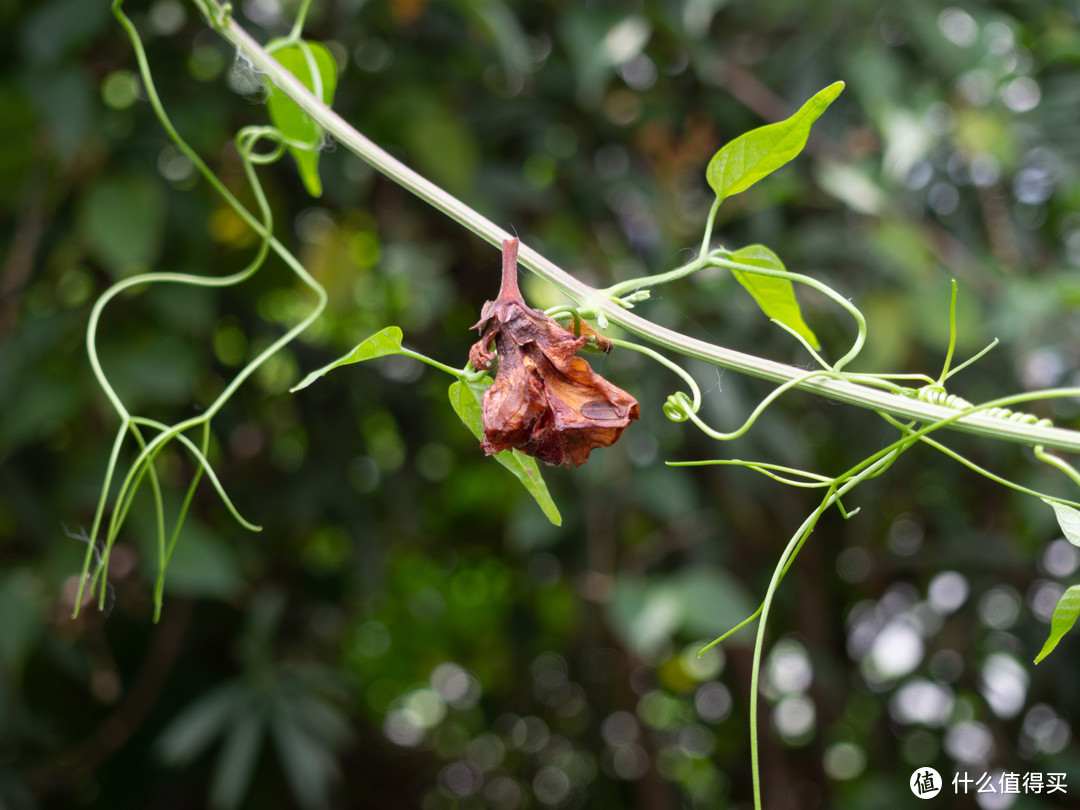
(247, 142)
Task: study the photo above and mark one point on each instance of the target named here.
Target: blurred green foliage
(409, 630)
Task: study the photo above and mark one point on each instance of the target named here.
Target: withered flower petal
(545, 401)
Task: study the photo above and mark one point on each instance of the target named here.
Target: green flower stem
(298, 24)
(707, 238)
(773, 471)
(866, 469)
(753, 417)
(185, 507)
(461, 374)
(200, 457)
(837, 389)
(952, 337)
(947, 375)
(869, 468)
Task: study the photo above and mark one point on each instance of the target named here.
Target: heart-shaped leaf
(775, 296)
(759, 152)
(314, 66)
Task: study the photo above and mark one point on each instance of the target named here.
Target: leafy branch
(847, 390)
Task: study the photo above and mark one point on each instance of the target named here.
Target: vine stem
(143, 466)
(869, 468)
(838, 389)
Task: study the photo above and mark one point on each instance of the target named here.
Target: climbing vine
(301, 78)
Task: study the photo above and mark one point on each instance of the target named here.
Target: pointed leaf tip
(775, 296)
(466, 399)
(1062, 621)
(1068, 519)
(384, 342)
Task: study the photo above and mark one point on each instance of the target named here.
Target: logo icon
(925, 783)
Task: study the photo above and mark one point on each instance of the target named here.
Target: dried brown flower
(545, 401)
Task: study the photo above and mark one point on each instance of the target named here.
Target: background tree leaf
(759, 152)
(308, 763)
(121, 221)
(1065, 613)
(314, 65)
(775, 296)
(238, 758)
(196, 726)
(698, 602)
(22, 606)
(466, 397)
(385, 341)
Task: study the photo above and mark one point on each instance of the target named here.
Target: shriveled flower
(545, 401)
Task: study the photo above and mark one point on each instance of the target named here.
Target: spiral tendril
(678, 407)
(935, 395)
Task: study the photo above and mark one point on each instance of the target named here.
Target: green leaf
(466, 398)
(699, 602)
(236, 764)
(643, 613)
(198, 725)
(23, 608)
(759, 152)
(1068, 519)
(713, 600)
(121, 221)
(1065, 613)
(309, 764)
(314, 66)
(385, 341)
(775, 296)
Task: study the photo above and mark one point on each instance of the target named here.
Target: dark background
(408, 630)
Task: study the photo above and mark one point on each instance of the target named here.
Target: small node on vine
(219, 15)
(627, 302)
(844, 513)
